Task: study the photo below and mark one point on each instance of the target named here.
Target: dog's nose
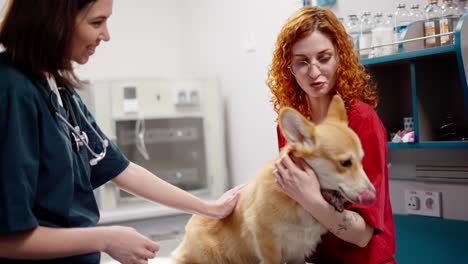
(366, 197)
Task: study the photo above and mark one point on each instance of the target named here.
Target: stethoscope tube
(104, 142)
(80, 137)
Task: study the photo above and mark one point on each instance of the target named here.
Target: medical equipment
(78, 138)
(172, 127)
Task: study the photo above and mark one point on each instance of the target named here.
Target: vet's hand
(127, 246)
(226, 203)
(297, 179)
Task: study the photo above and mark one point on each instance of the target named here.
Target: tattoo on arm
(349, 218)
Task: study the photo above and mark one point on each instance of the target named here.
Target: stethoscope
(78, 138)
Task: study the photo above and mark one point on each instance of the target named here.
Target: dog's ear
(337, 110)
(298, 131)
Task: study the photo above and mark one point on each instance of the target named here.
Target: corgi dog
(269, 227)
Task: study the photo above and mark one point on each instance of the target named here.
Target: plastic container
(448, 21)
(415, 13)
(382, 34)
(402, 20)
(365, 38)
(353, 28)
(432, 13)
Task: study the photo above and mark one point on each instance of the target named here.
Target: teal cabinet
(421, 239)
(427, 84)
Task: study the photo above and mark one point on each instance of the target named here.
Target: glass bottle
(382, 34)
(462, 8)
(448, 21)
(432, 13)
(353, 29)
(415, 13)
(402, 20)
(341, 19)
(365, 38)
(390, 22)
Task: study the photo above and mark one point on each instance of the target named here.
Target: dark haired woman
(48, 211)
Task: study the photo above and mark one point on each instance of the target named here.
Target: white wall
(234, 40)
(167, 38)
(144, 42)
(219, 35)
(170, 38)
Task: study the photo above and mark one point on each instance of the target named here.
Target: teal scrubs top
(43, 181)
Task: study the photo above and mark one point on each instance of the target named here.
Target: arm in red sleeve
(367, 125)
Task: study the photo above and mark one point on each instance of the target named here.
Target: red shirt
(365, 122)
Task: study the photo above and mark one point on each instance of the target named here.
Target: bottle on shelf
(390, 22)
(402, 20)
(448, 21)
(382, 34)
(353, 28)
(432, 12)
(415, 13)
(462, 7)
(365, 37)
(341, 19)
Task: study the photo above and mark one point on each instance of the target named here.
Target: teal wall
(422, 239)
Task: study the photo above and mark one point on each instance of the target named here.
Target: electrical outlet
(187, 96)
(194, 96)
(431, 203)
(426, 203)
(181, 96)
(412, 201)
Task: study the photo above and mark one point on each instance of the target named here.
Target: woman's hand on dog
(298, 180)
(225, 204)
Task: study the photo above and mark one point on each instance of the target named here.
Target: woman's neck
(318, 108)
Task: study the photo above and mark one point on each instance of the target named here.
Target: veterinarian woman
(313, 60)
(47, 209)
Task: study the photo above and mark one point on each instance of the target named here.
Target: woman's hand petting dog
(225, 204)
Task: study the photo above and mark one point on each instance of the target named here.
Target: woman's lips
(91, 51)
(317, 85)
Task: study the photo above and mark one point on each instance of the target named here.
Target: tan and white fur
(269, 227)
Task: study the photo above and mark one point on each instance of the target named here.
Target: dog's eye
(346, 163)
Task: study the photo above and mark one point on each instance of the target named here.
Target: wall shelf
(409, 55)
(431, 144)
(430, 85)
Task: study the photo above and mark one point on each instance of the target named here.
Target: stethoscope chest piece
(78, 139)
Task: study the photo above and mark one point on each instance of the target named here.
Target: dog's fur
(267, 226)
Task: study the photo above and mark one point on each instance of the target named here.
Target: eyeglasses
(302, 67)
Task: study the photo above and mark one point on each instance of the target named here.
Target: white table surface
(157, 260)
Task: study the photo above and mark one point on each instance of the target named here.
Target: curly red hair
(352, 80)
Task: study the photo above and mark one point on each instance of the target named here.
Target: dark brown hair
(37, 36)
(352, 80)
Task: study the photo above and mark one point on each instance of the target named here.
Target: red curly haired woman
(313, 60)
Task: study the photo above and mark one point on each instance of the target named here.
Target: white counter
(159, 223)
(135, 213)
(157, 260)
